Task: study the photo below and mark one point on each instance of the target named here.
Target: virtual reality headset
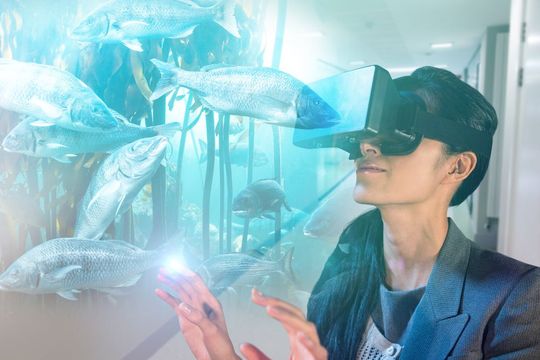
(375, 108)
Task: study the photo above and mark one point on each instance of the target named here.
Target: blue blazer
(477, 304)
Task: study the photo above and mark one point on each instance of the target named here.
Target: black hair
(348, 289)
(445, 95)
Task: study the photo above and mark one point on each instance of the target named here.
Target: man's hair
(445, 95)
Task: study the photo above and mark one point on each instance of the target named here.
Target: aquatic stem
(228, 175)
(178, 191)
(158, 185)
(251, 146)
(221, 183)
(276, 60)
(211, 151)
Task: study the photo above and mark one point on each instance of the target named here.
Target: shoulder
(495, 281)
(487, 265)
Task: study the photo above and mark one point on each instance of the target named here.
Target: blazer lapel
(435, 324)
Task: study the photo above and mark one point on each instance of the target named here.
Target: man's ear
(462, 166)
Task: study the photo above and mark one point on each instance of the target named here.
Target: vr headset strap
(451, 132)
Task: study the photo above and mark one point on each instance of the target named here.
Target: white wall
(519, 226)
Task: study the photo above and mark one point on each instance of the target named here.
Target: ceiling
(323, 37)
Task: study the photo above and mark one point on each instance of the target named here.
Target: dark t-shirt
(394, 311)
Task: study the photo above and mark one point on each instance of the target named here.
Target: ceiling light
(442, 45)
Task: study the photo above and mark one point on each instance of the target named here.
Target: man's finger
(290, 320)
(184, 295)
(263, 300)
(251, 352)
(309, 349)
(169, 299)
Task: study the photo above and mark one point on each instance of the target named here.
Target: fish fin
(112, 291)
(286, 265)
(196, 104)
(51, 110)
(204, 151)
(68, 294)
(268, 216)
(55, 146)
(167, 130)
(110, 189)
(120, 210)
(121, 118)
(219, 125)
(168, 80)
(286, 205)
(184, 33)
(256, 253)
(41, 123)
(133, 44)
(131, 281)
(60, 274)
(226, 17)
(65, 159)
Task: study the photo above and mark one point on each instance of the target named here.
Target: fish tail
(167, 130)
(168, 81)
(286, 265)
(226, 17)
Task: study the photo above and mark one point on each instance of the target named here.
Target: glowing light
(176, 265)
(446, 45)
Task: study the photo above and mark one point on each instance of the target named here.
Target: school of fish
(62, 117)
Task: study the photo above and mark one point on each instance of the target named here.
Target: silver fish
(68, 265)
(236, 269)
(127, 21)
(116, 183)
(64, 144)
(263, 93)
(336, 212)
(259, 199)
(54, 96)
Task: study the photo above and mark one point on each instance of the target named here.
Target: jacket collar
(435, 324)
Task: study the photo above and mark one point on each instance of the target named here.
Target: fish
(116, 183)
(54, 96)
(66, 266)
(64, 145)
(267, 94)
(260, 198)
(239, 154)
(237, 269)
(331, 217)
(129, 21)
(263, 228)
